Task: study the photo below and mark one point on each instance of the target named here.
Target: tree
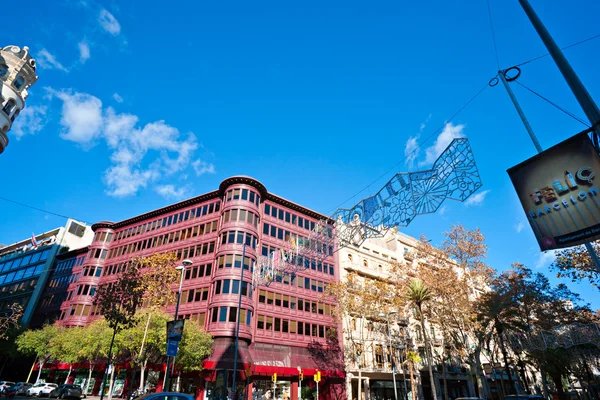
(455, 272)
(118, 302)
(575, 263)
(94, 344)
(145, 341)
(524, 302)
(412, 358)
(158, 274)
(418, 294)
(36, 343)
(10, 320)
(195, 346)
(65, 346)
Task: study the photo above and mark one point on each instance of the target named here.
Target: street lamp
(387, 318)
(185, 264)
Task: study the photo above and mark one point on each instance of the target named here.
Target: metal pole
(534, 139)
(108, 366)
(167, 372)
(391, 356)
(237, 326)
(538, 147)
(587, 103)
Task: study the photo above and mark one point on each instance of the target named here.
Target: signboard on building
(557, 191)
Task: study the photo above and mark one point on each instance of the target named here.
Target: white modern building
(26, 265)
(17, 74)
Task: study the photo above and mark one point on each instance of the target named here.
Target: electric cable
(570, 114)
(562, 48)
(34, 208)
(493, 33)
(415, 149)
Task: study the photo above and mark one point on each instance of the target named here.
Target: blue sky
(139, 104)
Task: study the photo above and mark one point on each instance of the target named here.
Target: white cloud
(84, 51)
(117, 98)
(449, 133)
(109, 23)
(411, 150)
(545, 259)
(139, 154)
(81, 118)
(476, 199)
(202, 167)
(31, 120)
(170, 192)
(443, 210)
(519, 226)
(47, 60)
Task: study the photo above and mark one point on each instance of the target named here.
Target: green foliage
(418, 293)
(195, 346)
(94, 340)
(154, 342)
(119, 301)
(64, 346)
(36, 342)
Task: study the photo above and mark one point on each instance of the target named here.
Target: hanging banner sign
(175, 330)
(557, 191)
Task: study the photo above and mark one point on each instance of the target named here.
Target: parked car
(67, 391)
(5, 384)
(18, 389)
(41, 389)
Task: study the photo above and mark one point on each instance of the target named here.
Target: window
(9, 106)
(19, 83)
(3, 70)
(222, 314)
(232, 314)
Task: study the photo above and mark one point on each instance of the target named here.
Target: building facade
(17, 74)
(66, 273)
(26, 266)
(372, 349)
(223, 232)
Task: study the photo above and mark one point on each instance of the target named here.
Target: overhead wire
(34, 208)
(570, 114)
(406, 156)
(493, 33)
(562, 48)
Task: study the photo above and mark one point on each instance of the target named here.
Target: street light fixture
(185, 264)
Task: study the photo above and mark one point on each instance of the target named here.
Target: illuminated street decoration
(453, 176)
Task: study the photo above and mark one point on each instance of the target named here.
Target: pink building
(282, 327)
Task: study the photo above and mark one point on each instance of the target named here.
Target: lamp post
(185, 264)
(387, 318)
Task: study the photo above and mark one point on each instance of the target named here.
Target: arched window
(15, 115)
(380, 268)
(365, 263)
(9, 106)
(350, 257)
(19, 82)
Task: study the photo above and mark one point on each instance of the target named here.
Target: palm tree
(412, 358)
(418, 294)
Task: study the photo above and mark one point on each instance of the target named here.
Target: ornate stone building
(17, 74)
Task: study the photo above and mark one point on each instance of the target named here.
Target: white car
(5, 384)
(41, 389)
